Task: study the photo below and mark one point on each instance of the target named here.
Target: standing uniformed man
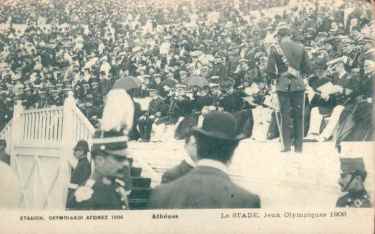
(287, 63)
(353, 175)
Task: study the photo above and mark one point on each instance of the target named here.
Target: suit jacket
(176, 172)
(205, 188)
(297, 58)
(232, 102)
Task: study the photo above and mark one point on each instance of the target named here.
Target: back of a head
(217, 138)
(215, 149)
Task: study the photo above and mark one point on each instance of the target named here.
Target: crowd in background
(186, 56)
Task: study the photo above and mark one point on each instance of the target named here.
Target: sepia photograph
(173, 106)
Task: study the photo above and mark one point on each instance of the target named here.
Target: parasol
(127, 83)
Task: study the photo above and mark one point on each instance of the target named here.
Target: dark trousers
(145, 128)
(292, 105)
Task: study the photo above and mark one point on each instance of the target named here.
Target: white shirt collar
(213, 163)
(189, 161)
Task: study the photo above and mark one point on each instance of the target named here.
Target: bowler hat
(220, 125)
(352, 165)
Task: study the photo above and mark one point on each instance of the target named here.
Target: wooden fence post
(16, 130)
(67, 141)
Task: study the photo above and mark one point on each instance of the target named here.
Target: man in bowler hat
(208, 185)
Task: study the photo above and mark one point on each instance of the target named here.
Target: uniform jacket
(296, 58)
(354, 200)
(104, 197)
(203, 187)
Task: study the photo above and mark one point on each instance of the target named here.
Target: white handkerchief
(328, 88)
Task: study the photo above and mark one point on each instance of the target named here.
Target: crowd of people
(190, 59)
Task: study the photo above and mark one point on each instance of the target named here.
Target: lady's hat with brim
(220, 125)
(110, 142)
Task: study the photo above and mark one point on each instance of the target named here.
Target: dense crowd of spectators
(47, 47)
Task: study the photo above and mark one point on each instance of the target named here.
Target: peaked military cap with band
(354, 166)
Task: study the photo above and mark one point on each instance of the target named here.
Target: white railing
(47, 126)
(45, 137)
(42, 126)
(82, 127)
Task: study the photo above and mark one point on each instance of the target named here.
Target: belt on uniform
(292, 71)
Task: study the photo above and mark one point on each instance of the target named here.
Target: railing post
(16, 131)
(67, 141)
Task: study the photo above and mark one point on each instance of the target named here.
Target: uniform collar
(357, 194)
(214, 164)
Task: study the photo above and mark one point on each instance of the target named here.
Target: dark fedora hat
(220, 125)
